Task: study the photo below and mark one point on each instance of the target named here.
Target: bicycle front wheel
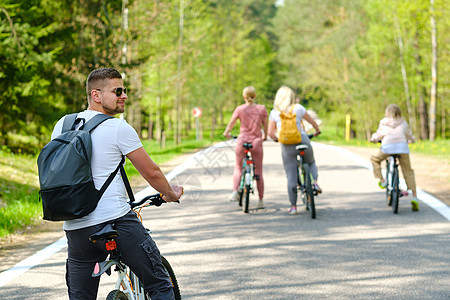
(395, 191)
(310, 205)
(173, 279)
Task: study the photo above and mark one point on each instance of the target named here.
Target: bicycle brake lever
(158, 201)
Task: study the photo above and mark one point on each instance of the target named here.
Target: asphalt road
(356, 248)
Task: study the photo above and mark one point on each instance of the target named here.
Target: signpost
(197, 113)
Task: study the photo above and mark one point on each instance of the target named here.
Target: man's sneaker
(260, 204)
(317, 188)
(414, 204)
(382, 184)
(293, 210)
(234, 196)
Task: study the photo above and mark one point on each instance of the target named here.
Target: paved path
(356, 248)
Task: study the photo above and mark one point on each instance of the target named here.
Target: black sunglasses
(118, 91)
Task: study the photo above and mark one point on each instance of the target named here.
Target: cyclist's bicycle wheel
(173, 279)
(299, 187)
(310, 205)
(247, 188)
(246, 198)
(116, 295)
(388, 189)
(395, 191)
(240, 196)
(241, 187)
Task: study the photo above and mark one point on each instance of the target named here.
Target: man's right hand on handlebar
(174, 195)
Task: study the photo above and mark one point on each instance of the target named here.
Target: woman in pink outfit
(253, 117)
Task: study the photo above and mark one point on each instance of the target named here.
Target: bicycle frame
(126, 281)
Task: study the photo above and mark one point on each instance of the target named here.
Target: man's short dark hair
(97, 78)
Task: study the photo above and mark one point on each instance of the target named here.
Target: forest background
(342, 57)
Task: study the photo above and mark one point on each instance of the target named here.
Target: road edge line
(29, 262)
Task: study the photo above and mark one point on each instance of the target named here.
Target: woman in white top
(284, 99)
(395, 135)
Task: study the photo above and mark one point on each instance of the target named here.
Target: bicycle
(128, 285)
(247, 178)
(393, 192)
(305, 182)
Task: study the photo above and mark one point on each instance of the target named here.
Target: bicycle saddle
(247, 146)
(301, 147)
(106, 232)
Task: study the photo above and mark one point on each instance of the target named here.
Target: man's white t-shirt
(110, 140)
(299, 111)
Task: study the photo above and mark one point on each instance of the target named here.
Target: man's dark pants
(139, 252)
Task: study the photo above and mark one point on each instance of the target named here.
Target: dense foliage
(342, 57)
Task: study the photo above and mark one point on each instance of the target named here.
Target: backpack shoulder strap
(69, 120)
(126, 182)
(291, 109)
(95, 121)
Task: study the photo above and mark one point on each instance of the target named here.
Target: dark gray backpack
(65, 176)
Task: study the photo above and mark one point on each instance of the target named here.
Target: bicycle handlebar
(309, 135)
(155, 200)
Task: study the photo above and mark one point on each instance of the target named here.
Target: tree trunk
(433, 92)
(404, 76)
(213, 123)
(150, 129)
(178, 106)
(158, 121)
(423, 114)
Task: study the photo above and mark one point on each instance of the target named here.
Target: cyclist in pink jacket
(253, 117)
(395, 135)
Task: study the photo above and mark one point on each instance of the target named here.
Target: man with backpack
(111, 140)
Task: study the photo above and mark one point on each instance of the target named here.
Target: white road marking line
(30, 262)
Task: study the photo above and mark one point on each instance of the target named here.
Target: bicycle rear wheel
(240, 193)
(395, 191)
(246, 200)
(173, 279)
(299, 186)
(310, 205)
(116, 295)
(241, 187)
(388, 188)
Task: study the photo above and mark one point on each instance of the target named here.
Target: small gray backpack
(67, 187)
